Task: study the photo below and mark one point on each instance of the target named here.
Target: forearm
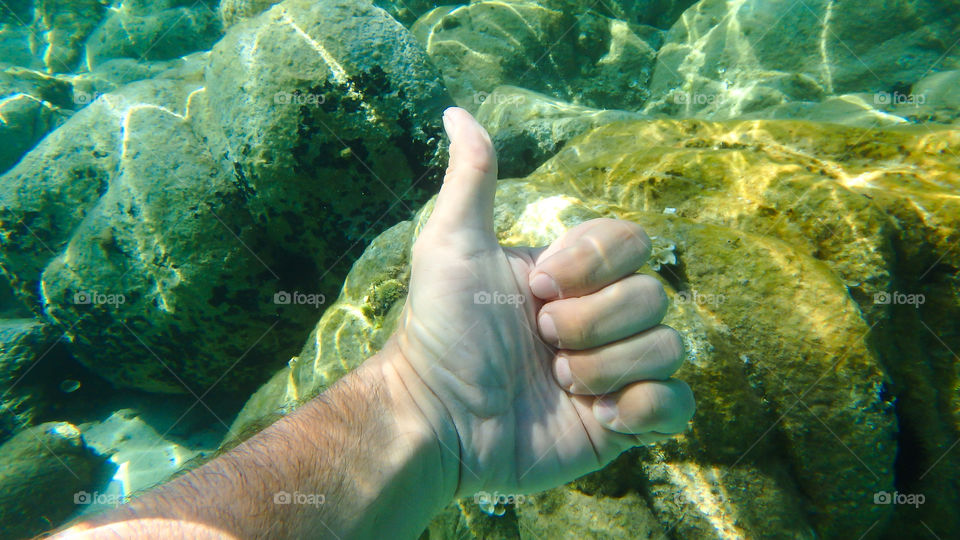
(354, 462)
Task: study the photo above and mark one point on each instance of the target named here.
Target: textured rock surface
(787, 238)
(159, 32)
(158, 223)
(659, 13)
(31, 105)
(722, 59)
(22, 343)
(587, 58)
(60, 28)
(31, 502)
(527, 127)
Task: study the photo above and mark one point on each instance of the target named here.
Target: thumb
(465, 202)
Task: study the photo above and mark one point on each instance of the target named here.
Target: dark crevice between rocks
(908, 343)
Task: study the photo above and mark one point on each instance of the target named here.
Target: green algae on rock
(196, 197)
(785, 234)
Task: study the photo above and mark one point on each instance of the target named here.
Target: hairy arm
(354, 462)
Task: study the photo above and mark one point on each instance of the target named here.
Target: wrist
(418, 462)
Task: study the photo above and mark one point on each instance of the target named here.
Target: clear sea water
(185, 185)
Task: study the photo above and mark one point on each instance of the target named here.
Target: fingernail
(448, 123)
(544, 286)
(605, 411)
(548, 330)
(562, 372)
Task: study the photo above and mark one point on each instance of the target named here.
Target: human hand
(533, 365)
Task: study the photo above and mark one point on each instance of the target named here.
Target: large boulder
(184, 230)
(723, 59)
(784, 246)
(585, 58)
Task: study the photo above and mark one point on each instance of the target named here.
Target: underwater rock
(587, 59)
(154, 34)
(343, 140)
(234, 11)
(113, 74)
(61, 27)
(790, 244)
(407, 11)
(30, 501)
(15, 44)
(31, 105)
(146, 457)
(933, 98)
(17, 12)
(857, 110)
(723, 59)
(658, 13)
(527, 127)
(194, 211)
(23, 343)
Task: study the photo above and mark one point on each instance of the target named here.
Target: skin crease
(498, 378)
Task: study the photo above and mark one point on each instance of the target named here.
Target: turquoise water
(185, 187)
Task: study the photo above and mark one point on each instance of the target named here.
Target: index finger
(589, 257)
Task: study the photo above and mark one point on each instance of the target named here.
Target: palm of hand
(475, 344)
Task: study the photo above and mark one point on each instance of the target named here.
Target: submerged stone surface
(585, 58)
(791, 241)
(32, 502)
(169, 226)
(723, 59)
